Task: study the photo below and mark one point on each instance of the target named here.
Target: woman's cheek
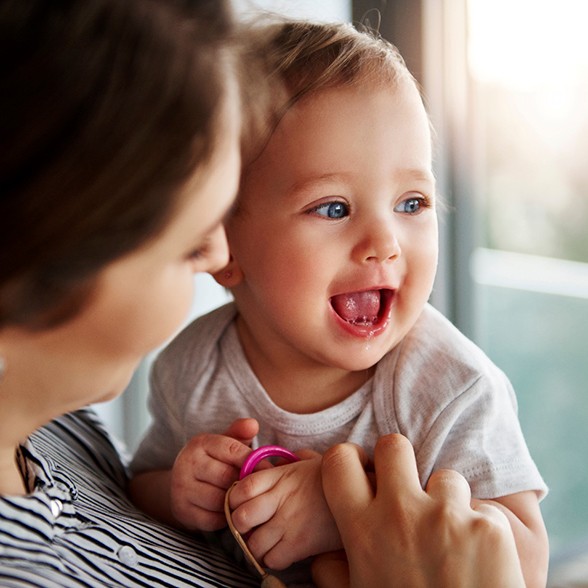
(164, 315)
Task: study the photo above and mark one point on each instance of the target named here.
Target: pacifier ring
(262, 453)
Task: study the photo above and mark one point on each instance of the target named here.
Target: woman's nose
(218, 250)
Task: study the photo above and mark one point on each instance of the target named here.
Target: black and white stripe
(79, 529)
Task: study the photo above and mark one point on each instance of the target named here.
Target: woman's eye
(195, 255)
(198, 252)
(412, 205)
(332, 210)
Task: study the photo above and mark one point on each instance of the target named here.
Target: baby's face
(337, 239)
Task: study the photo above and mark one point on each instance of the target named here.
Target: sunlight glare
(526, 43)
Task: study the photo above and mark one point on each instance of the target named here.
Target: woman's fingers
(396, 469)
(449, 486)
(345, 484)
(406, 536)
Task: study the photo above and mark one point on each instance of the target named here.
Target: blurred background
(505, 82)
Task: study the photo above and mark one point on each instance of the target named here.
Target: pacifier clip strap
(267, 580)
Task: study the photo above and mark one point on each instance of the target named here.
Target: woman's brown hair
(108, 107)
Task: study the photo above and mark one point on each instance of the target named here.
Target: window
(529, 72)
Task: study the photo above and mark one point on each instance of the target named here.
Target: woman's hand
(401, 535)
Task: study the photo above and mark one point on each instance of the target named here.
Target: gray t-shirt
(436, 387)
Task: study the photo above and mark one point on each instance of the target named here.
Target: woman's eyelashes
(195, 255)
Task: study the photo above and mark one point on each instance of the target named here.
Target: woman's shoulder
(80, 442)
(80, 501)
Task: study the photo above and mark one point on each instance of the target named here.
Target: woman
(119, 160)
(120, 157)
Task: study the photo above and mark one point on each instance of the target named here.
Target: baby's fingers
(200, 509)
(225, 449)
(206, 496)
(214, 459)
(254, 485)
(254, 512)
(243, 430)
(266, 544)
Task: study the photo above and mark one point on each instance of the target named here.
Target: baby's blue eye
(410, 206)
(332, 210)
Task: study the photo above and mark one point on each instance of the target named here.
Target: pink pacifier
(262, 453)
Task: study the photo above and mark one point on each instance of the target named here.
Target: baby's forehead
(377, 77)
(362, 88)
(371, 74)
(329, 133)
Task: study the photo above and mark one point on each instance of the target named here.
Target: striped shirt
(78, 527)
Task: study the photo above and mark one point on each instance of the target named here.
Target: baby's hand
(288, 509)
(203, 471)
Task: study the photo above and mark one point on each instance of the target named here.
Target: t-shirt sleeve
(479, 435)
(457, 408)
(165, 435)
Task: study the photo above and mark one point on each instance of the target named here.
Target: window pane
(529, 59)
(529, 66)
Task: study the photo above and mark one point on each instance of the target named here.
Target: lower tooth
(364, 321)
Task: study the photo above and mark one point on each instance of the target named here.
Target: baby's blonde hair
(302, 57)
(313, 56)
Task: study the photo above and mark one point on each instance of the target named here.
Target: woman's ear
(230, 276)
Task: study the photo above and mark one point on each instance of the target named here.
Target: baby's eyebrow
(313, 181)
(419, 175)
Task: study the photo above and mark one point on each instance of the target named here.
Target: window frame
(431, 35)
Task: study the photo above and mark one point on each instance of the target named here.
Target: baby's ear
(230, 276)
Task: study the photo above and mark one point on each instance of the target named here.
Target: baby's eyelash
(334, 209)
(421, 201)
(426, 201)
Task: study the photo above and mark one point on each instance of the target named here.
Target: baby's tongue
(358, 307)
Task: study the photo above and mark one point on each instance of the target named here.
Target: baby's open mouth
(365, 308)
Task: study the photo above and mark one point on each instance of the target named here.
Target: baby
(330, 338)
